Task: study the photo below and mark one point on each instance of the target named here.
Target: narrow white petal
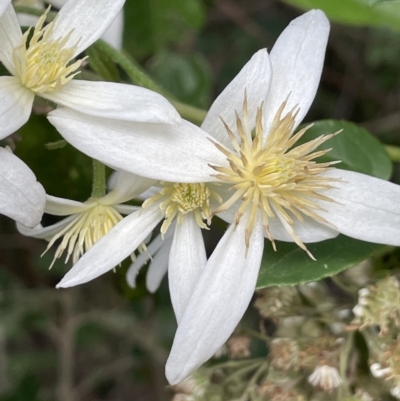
(308, 230)
(149, 193)
(218, 302)
(186, 262)
(115, 100)
(10, 37)
(142, 259)
(158, 266)
(22, 198)
(126, 209)
(297, 60)
(114, 247)
(64, 207)
(366, 208)
(127, 187)
(254, 78)
(114, 34)
(86, 20)
(159, 151)
(15, 105)
(27, 19)
(3, 5)
(46, 233)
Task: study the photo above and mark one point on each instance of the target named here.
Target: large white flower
(43, 65)
(22, 198)
(276, 190)
(113, 35)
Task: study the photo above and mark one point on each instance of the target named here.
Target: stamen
(176, 200)
(273, 178)
(42, 65)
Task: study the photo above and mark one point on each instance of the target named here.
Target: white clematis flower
(22, 198)
(113, 35)
(275, 191)
(44, 66)
(87, 222)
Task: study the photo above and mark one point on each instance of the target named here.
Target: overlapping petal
(85, 21)
(186, 262)
(113, 248)
(3, 5)
(114, 100)
(15, 105)
(22, 198)
(297, 60)
(254, 79)
(46, 233)
(218, 302)
(64, 207)
(158, 151)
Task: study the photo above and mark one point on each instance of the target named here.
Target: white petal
(86, 20)
(142, 259)
(149, 193)
(218, 302)
(113, 35)
(186, 262)
(64, 207)
(367, 208)
(159, 151)
(46, 233)
(3, 5)
(115, 100)
(128, 186)
(297, 60)
(114, 247)
(158, 266)
(22, 198)
(27, 19)
(15, 105)
(126, 209)
(10, 37)
(254, 78)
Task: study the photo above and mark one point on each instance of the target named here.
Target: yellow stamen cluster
(84, 231)
(176, 200)
(273, 177)
(42, 65)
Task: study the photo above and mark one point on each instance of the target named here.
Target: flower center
(176, 200)
(84, 231)
(272, 176)
(43, 64)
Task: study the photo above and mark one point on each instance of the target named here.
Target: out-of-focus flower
(239, 347)
(113, 35)
(41, 63)
(270, 391)
(326, 377)
(22, 198)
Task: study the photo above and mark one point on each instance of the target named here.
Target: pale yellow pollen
(84, 231)
(43, 64)
(271, 177)
(178, 199)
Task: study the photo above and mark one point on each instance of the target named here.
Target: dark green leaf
(291, 266)
(354, 146)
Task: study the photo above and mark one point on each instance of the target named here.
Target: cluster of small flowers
(241, 164)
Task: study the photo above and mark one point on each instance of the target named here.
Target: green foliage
(356, 12)
(290, 265)
(154, 23)
(357, 149)
(102, 64)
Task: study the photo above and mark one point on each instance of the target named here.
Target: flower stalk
(99, 179)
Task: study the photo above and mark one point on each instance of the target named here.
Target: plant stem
(344, 390)
(139, 77)
(99, 180)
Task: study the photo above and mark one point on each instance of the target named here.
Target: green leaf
(356, 12)
(102, 64)
(290, 265)
(354, 146)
